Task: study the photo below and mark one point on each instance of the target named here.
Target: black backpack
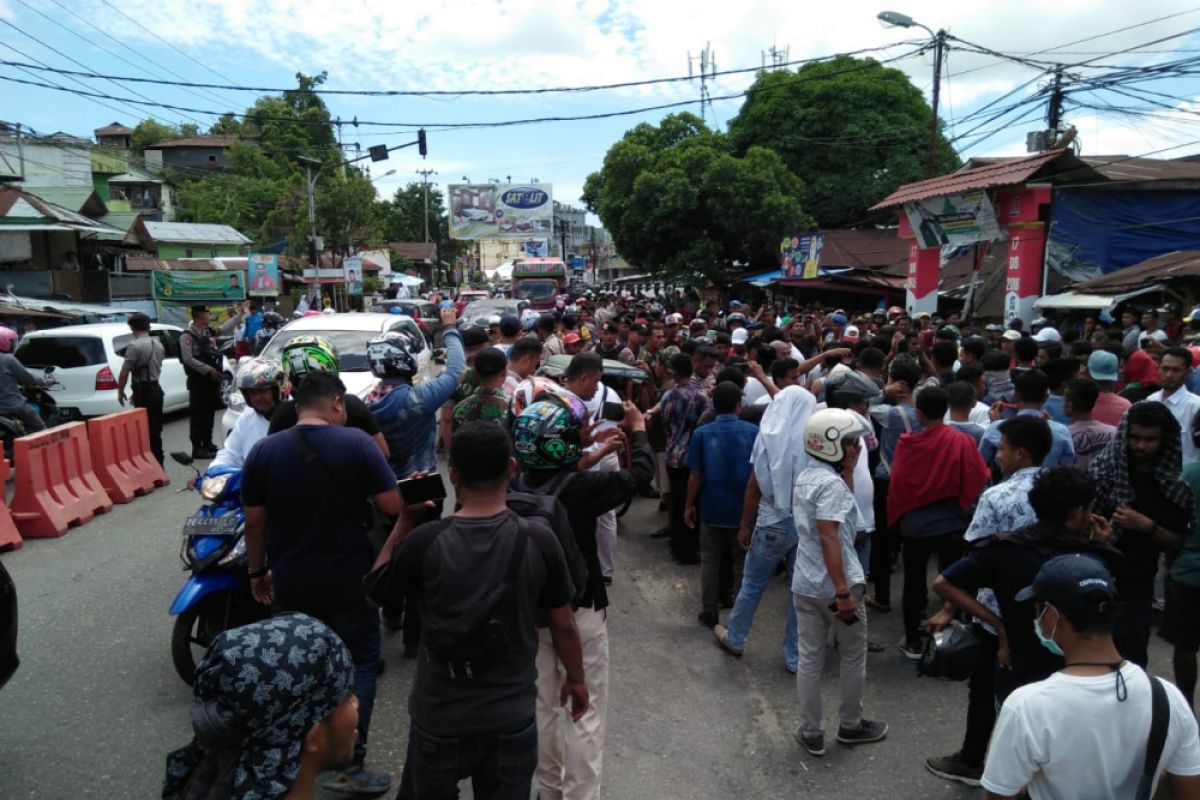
(542, 502)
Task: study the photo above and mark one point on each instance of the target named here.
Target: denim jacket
(407, 414)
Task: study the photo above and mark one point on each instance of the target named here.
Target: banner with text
(800, 256)
(263, 274)
(178, 285)
(352, 267)
(501, 210)
(957, 219)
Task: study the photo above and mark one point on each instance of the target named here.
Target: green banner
(188, 286)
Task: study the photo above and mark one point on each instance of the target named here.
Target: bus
(539, 280)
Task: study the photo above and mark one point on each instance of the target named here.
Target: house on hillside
(191, 153)
(187, 239)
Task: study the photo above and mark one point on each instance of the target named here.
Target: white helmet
(825, 431)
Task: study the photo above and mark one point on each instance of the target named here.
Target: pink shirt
(1110, 408)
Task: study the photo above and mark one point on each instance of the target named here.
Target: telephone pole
(1054, 113)
(939, 45)
(425, 173)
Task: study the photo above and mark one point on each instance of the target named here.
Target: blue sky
(501, 44)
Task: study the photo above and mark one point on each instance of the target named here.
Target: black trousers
(883, 547)
(981, 701)
(204, 396)
(685, 541)
(917, 550)
(150, 397)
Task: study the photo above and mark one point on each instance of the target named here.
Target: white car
(350, 334)
(87, 359)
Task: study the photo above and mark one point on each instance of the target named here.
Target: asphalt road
(96, 704)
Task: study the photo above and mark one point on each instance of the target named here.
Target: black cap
(609, 327)
(474, 336)
(639, 329)
(1077, 581)
(199, 309)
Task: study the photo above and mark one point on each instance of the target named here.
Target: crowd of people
(1050, 474)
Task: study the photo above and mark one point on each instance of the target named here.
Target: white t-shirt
(1069, 737)
(754, 391)
(821, 494)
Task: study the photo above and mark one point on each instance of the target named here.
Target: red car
(468, 296)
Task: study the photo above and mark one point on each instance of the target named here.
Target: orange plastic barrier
(55, 486)
(10, 538)
(121, 455)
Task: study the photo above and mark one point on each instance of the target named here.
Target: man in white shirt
(1173, 370)
(1083, 731)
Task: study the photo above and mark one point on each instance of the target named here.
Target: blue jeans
(359, 629)
(770, 545)
(500, 766)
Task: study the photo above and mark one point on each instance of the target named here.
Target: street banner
(263, 272)
(352, 268)
(537, 248)
(178, 285)
(956, 219)
(501, 210)
(800, 255)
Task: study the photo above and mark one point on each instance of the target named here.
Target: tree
(402, 219)
(852, 129)
(148, 132)
(679, 203)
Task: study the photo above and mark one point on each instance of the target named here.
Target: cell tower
(708, 72)
(774, 59)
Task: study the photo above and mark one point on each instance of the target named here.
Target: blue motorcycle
(216, 596)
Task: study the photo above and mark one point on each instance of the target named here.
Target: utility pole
(939, 44)
(1054, 113)
(425, 173)
(310, 183)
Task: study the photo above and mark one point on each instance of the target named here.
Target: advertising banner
(352, 268)
(955, 220)
(800, 256)
(501, 210)
(263, 274)
(537, 248)
(198, 287)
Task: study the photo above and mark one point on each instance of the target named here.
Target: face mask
(1047, 641)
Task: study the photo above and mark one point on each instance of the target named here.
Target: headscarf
(259, 690)
(779, 449)
(1141, 369)
(1111, 469)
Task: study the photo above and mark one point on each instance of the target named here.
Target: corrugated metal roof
(415, 251)
(197, 232)
(1182, 264)
(80, 199)
(115, 129)
(1124, 168)
(196, 141)
(1006, 173)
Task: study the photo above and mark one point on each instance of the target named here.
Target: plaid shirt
(682, 406)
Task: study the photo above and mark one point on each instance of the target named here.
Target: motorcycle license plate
(210, 526)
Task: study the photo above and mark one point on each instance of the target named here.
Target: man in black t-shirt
(306, 493)
(481, 568)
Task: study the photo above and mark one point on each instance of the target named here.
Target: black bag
(204, 352)
(467, 648)
(1160, 720)
(543, 503)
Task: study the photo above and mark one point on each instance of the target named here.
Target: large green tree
(853, 129)
(679, 203)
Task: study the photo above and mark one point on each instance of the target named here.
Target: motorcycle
(43, 403)
(216, 597)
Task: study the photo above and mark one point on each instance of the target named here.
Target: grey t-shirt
(144, 357)
(458, 564)
(13, 376)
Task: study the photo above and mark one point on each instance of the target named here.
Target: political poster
(800, 255)
(956, 219)
(501, 210)
(263, 274)
(352, 270)
(179, 285)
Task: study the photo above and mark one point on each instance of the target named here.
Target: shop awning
(1082, 301)
(763, 279)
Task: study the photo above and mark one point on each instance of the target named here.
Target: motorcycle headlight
(233, 555)
(234, 399)
(212, 487)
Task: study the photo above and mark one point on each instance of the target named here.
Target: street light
(384, 175)
(309, 163)
(896, 19)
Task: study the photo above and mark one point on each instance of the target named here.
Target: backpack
(543, 503)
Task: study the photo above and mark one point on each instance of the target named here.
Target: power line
(126, 110)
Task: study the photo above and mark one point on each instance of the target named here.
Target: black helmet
(951, 654)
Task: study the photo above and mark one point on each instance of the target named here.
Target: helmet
(393, 355)
(306, 354)
(952, 653)
(531, 390)
(272, 320)
(8, 339)
(827, 428)
(548, 435)
(329, 312)
(259, 373)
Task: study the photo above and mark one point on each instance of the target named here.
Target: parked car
(468, 296)
(86, 360)
(478, 312)
(424, 312)
(350, 334)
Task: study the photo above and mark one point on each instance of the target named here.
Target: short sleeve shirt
(144, 357)
(820, 493)
(490, 405)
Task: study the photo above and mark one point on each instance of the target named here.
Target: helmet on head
(394, 355)
(306, 354)
(825, 431)
(8, 339)
(531, 390)
(259, 373)
(272, 320)
(548, 435)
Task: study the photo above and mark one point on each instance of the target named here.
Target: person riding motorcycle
(272, 321)
(260, 380)
(13, 376)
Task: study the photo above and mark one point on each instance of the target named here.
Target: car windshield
(535, 289)
(487, 308)
(63, 352)
(351, 346)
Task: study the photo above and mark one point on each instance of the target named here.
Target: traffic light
(421, 148)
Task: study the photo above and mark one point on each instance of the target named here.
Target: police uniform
(144, 358)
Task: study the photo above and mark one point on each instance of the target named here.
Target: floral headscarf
(259, 690)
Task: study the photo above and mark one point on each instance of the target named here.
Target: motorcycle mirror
(180, 457)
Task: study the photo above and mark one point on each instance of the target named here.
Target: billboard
(537, 248)
(800, 255)
(263, 272)
(199, 286)
(501, 210)
(352, 267)
(957, 219)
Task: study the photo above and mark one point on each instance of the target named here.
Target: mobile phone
(833, 608)
(612, 412)
(414, 491)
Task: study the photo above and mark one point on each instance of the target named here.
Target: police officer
(143, 363)
(202, 363)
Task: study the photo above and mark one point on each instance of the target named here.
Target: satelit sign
(501, 210)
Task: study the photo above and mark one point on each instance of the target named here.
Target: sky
(521, 44)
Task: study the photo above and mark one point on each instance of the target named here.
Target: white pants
(569, 753)
(606, 523)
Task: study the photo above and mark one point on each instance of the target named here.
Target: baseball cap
(1102, 366)
(740, 336)
(993, 328)
(571, 337)
(838, 318)
(850, 334)
(1010, 335)
(674, 319)
(735, 304)
(1077, 581)
(609, 327)
(922, 315)
(736, 316)
(1047, 335)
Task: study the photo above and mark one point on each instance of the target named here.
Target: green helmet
(547, 435)
(305, 354)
